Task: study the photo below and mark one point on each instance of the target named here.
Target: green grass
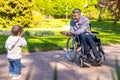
(45, 43)
(2, 43)
(109, 34)
(39, 43)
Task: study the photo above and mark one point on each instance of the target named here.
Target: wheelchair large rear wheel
(71, 49)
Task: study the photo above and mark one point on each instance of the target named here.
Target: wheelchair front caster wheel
(80, 60)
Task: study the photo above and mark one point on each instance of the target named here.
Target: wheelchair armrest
(95, 32)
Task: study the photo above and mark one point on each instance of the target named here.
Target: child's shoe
(16, 77)
(10, 74)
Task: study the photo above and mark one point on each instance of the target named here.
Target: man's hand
(67, 33)
(72, 33)
(63, 32)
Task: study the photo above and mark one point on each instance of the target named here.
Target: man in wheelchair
(79, 27)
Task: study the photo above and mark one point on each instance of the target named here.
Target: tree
(15, 12)
(44, 6)
(113, 6)
(57, 8)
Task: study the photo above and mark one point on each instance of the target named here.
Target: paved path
(40, 65)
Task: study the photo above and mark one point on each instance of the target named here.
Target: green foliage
(58, 8)
(2, 43)
(112, 6)
(113, 76)
(51, 23)
(14, 12)
(107, 29)
(38, 33)
(30, 13)
(109, 34)
(117, 71)
(61, 8)
(37, 18)
(55, 74)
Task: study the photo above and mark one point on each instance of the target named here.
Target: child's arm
(23, 42)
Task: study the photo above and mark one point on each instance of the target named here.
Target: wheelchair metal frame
(76, 53)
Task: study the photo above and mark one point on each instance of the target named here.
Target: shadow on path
(40, 66)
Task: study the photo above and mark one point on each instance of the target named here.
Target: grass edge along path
(109, 34)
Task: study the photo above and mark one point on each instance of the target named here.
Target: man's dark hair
(76, 10)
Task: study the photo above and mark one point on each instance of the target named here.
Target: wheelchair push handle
(94, 32)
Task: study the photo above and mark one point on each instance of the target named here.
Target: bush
(17, 12)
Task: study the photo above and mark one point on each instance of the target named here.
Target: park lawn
(46, 43)
(109, 34)
(38, 43)
(57, 42)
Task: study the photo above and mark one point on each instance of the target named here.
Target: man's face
(76, 17)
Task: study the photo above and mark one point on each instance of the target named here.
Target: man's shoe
(89, 58)
(97, 58)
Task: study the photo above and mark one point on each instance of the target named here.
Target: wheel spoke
(70, 49)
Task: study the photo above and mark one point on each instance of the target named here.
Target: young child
(13, 45)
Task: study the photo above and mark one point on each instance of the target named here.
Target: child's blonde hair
(16, 30)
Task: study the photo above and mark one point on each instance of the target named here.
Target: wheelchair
(75, 50)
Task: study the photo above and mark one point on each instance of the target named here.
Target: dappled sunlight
(25, 61)
(41, 65)
(43, 21)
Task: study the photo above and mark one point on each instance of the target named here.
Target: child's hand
(21, 35)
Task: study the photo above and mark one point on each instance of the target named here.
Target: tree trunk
(100, 13)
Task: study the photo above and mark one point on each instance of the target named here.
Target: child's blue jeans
(14, 66)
